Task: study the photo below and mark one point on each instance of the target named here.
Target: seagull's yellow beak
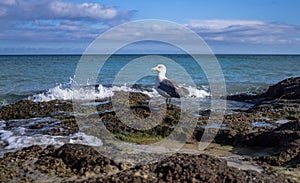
(153, 69)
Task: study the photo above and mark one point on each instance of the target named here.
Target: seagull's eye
(159, 67)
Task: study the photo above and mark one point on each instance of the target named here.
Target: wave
(198, 93)
(83, 93)
(19, 136)
(101, 92)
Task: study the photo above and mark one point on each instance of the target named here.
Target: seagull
(166, 87)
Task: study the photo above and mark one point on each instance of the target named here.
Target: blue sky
(231, 26)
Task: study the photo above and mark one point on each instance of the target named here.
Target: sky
(228, 27)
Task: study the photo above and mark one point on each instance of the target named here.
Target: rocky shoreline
(270, 130)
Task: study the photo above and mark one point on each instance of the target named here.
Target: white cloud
(83, 10)
(245, 31)
(56, 20)
(220, 31)
(57, 9)
(219, 25)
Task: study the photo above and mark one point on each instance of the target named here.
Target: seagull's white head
(161, 69)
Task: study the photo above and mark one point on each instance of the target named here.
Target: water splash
(91, 92)
(20, 135)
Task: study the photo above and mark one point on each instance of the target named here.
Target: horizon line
(76, 54)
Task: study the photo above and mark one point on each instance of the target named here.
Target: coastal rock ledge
(272, 123)
(80, 163)
(287, 89)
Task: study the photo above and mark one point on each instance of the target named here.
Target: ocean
(48, 77)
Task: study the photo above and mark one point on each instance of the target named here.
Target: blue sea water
(23, 76)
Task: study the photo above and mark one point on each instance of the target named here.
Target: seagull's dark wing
(170, 87)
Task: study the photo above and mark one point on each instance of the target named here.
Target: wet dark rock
(82, 159)
(288, 89)
(234, 127)
(246, 97)
(280, 101)
(277, 110)
(130, 127)
(67, 127)
(27, 109)
(285, 139)
(141, 112)
(35, 164)
(107, 106)
(220, 136)
(80, 163)
(268, 139)
(188, 168)
(19, 166)
(130, 98)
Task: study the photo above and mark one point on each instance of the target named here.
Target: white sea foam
(14, 142)
(18, 138)
(194, 92)
(3, 103)
(82, 138)
(101, 92)
(84, 93)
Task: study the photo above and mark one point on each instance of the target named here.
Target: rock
(286, 139)
(27, 109)
(234, 126)
(246, 97)
(130, 98)
(188, 168)
(288, 89)
(19, 166)
(84, 164)
(82, 159)
(129, 125)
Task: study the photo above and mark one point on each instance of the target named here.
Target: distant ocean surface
(47, 77)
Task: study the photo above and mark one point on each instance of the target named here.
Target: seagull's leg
(168, 101)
